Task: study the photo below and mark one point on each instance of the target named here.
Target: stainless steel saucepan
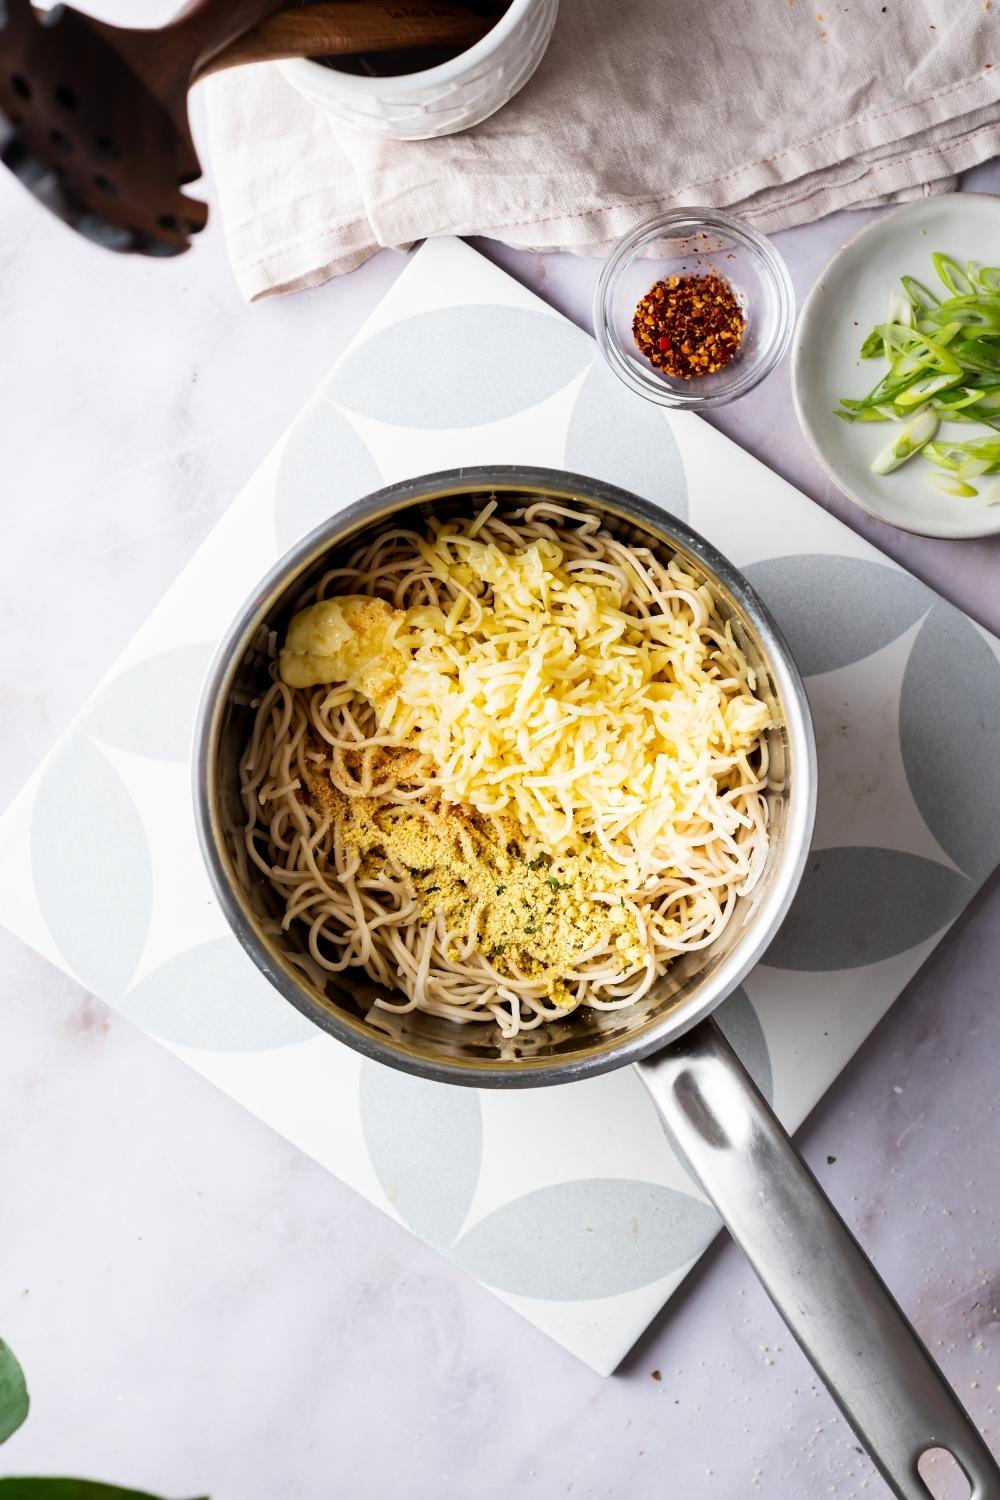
(829, 1294)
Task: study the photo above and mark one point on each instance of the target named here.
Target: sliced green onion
(914, 349)
(920, 297)
(977, 354)
(985, 278)
(991, 494)
(988, 448)
(954, 399)
(983, 417)
(970, 312)
(906, 443)
(987, 400)
(926, 386)
(973, 468)
(944, 455)
(870, 414)
(971, 416)
(898, 340)
(951, 274)
(946, 332)
(882, 394)
(884, 412)
(950, 484)
(900, 309)
(943, 357)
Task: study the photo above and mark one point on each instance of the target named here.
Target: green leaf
(69, 1489)
(13, 1393)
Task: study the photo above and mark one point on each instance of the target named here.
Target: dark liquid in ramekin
(412, 59)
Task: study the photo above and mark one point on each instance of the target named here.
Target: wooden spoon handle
(202, 29)
(356, 26)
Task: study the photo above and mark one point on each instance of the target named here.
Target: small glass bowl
(695, 242)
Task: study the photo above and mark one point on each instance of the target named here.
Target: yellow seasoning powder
(532, 915)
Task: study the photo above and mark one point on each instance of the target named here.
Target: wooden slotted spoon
(94, 118)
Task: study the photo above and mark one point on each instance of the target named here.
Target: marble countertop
(199, 1308)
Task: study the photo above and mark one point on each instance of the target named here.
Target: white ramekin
(441, 100)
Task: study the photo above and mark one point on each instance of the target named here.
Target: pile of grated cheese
(587, 699)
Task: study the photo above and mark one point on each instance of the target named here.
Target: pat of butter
(345, 640)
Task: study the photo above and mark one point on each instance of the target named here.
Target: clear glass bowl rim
(690, 221)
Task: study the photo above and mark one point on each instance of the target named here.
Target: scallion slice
(951, 273)
(950, 484)
(920, 297)
(972, 468)
(928, 385)
(908, 441)
(900, 309)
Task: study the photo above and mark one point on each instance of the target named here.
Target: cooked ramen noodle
(507, 765)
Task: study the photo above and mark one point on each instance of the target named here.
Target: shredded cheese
(539, 697)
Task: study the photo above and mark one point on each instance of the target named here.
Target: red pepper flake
(689, 325)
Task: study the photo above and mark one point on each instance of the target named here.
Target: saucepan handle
(816, 1274)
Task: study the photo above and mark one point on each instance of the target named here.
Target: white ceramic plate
(850, 297)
